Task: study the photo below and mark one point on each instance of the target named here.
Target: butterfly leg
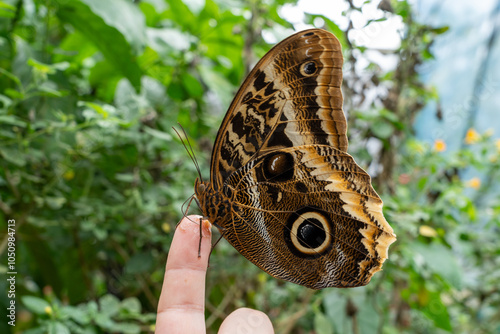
(215, 243)
(199, 244)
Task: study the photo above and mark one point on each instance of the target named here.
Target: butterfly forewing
(282, 104)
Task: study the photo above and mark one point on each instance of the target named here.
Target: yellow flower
(471, 137)
(497, 144)
(427, 231)
(48, 310)
(475, 183)
(69, 174)
(166, 227)
(439, 145)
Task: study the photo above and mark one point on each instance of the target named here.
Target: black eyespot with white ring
(308, 69)
(309, 233)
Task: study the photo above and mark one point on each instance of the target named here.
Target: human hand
(181, 308)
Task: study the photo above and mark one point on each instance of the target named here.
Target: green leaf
(441, 261)
(99, 109)
(321, 324)
(7, 10)
(217, 83)
(132, 305)
(55, 203)
(13, 156)
(13, 77)
(435, 310)
(192, 86)
(335, 305)
(175, 91)
(77, 314)
(180, 13)
(368, 318)
(104, 321)
(123, 16)
(37, 330)
(115, 27)
(12, 120)
(441, 30)
(382, 129)
(125, 327)
(92, 308)
(12, 93)
(46, 68)
(47, 89)
(58, 327)
(109, 305)
(125, 177)
(35, 304)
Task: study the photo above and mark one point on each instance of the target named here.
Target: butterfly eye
(308, 68)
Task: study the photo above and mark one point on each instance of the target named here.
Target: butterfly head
(200, 189)
(213, 205)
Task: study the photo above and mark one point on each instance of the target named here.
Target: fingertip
(246, 320)
(190, 224)
(185, 251)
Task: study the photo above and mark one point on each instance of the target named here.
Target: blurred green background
(94, 176)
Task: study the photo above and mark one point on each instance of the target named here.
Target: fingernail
(191, 224)
(206, 228)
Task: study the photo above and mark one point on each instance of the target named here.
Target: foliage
(95, 177)
(108, 314)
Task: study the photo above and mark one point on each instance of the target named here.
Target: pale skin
(181, 308)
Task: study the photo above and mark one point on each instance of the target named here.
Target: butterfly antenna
(184, 212)
(185, 209)
(192, 151)
(189, 149)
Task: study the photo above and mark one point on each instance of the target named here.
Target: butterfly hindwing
(319, 211)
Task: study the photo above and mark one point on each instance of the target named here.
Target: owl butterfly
(283, 191)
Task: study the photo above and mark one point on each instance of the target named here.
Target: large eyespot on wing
(309, 215)
(292, 97)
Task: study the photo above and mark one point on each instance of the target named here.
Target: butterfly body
(283, 191)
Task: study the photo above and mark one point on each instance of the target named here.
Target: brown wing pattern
(283, 190)
(327, 187)
(292, 97)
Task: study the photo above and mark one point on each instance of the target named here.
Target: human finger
(182, 301)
